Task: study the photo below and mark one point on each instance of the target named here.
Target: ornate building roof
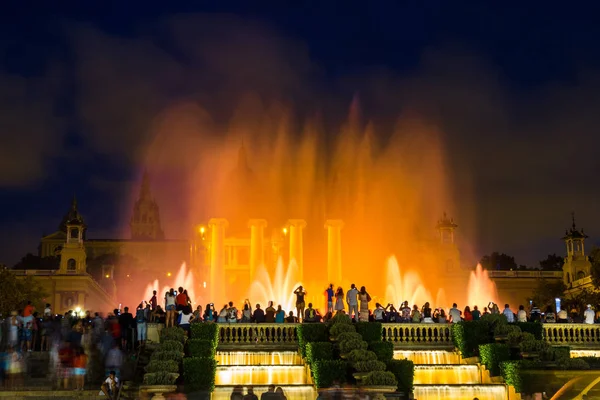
(574, 233)
(446, 223)
(72, 217)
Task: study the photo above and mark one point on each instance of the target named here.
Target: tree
(546, 291)
(552, 263)
(14, 292)
(498, 261)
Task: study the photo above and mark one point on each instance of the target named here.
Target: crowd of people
(83, 349)
(357, 303)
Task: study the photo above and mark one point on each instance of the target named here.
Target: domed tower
(577, 265)
(72, 255)
(145, 222)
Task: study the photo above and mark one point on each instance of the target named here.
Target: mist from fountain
(279, 288)
(183, 278)
(481, 289)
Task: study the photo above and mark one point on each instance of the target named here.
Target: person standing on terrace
(300, 304)
(329, 293)
(352, 300)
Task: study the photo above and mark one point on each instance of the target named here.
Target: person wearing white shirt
(522, 314)
(454, 314)
(588, 315)
(510, 316)
(352, 300)
(110, 385)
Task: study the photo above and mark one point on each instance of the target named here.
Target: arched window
(580, 275)
(71, 264)
(74, 233)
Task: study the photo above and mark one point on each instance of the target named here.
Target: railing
(412, 334)
(525, 274)
(408, 335)
(239, 334)
(572, 334)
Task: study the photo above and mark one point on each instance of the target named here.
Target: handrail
(137, 360)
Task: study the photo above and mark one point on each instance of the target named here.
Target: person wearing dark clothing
(259, 315)
(126, 322)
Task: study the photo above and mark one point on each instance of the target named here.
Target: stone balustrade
(414, 335)
(575, 335)
(405, 335)
(262, 335)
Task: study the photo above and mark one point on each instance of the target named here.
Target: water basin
(292, 392)
(429, 356)
(261, 375)
(258, 358)
(447, 374)
(460, 392)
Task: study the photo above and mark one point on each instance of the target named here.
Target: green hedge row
(311, 333)
(404, 371)
(468, 335)
(318, 351)
(328, 372)
(370, 331)
(206, 331)
(383, 350)
(492, 355)
(535, 328)
(199, 373)
(201, 348)
(200, 368)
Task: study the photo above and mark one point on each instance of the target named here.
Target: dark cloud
(518, 160)
(31, 134)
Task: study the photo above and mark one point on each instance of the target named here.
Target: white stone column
(217, 257)
(334, 250)
(257, 244)
(296, 251)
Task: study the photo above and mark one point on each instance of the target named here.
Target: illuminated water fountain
(445, 375)
(280, 289)
(183, 278)
(429, 356)
(481, 288)
(258, 358)
(259, 370)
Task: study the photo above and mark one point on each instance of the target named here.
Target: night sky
(513, 86)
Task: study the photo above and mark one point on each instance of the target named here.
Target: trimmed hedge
(340, 318)
(349, 335)
(367, 366)
(383, 350)
(160, 355)
(199, 373)
(492, 355)
(205, 331)
(311, 333)
(380, 378)
(404, 371)
(162, 366)
(352, 344)
(511, 372)
(171, 345)
(173, 333)
(339, 328)
(328, 372)
(160, 378)
(370, 331)
(361, 355)
(535, 328)
(201, 348)
(468, 335)
(318, 351)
